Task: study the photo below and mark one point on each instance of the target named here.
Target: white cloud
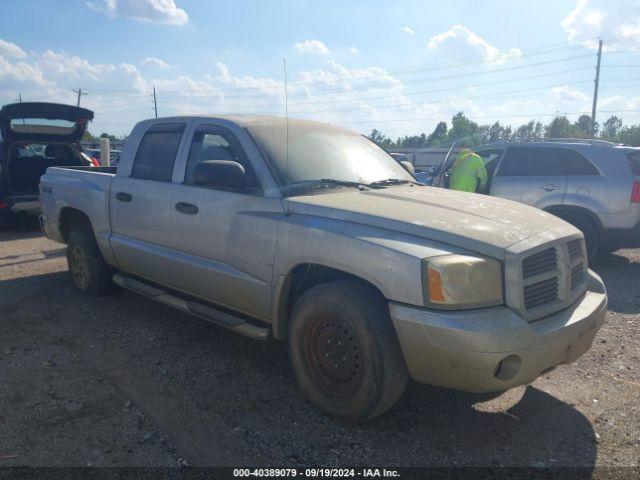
(565, 93)
(407, 30)
(458, 40)
(155, 11)
(353, 50)
(591, 19)
(358, 98)
(8, 49)
(311, 46)
(155, 62)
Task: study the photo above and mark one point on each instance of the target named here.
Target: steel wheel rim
(79, 268)
(333, 355)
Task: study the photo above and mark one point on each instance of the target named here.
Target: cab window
(531, 162)
(211, 143)
(157, 151)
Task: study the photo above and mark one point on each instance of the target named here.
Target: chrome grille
(575, 249)
(542, 262)
(577, 276)
(541, 292)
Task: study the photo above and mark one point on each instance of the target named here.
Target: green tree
(496, 131)
(630, 135)
(611, 128)
(379, 138)
(106, 135)
(584, 127)
(438, 136)
(559, 127)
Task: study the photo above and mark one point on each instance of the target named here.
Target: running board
(210, 314)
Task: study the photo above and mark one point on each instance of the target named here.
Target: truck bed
(85, 189)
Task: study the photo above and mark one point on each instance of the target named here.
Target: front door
(226, 236)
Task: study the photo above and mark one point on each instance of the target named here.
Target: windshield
(318, 152)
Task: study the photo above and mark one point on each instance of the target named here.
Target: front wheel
(90, 273)
(344, 351)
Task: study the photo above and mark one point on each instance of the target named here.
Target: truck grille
(552, 278)
(577, 276)
(542, 262)
(575, 249)
(541, 292)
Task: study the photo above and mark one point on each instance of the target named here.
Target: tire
(90, 273)
(589, 230)
(344, 351)
(5, 219)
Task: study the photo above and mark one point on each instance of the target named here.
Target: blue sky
(399, 66)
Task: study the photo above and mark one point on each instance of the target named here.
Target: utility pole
(20, 97)
(155, 102)
(80, 94)
(595, 88)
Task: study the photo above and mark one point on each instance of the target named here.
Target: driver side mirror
(220, 174)
(408, 166)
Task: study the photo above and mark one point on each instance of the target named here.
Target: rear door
(140, 205)
(531, 175)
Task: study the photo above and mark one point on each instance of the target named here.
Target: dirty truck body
(369, 280)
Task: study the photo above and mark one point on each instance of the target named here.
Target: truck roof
(243, 120)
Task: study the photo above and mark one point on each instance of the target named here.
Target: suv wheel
(344, 351)
(90, 273)
(588, 229)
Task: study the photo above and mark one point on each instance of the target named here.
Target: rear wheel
(90, 273)
(344, 351)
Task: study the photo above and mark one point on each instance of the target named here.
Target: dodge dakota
(312, 235)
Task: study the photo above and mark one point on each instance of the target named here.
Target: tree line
(468, 133)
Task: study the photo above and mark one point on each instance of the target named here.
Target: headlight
(461, 281)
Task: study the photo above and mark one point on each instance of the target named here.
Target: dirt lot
(124, 381)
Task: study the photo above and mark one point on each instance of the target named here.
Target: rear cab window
(157, 152)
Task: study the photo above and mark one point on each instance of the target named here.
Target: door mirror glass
(408, 166)
(219, 174)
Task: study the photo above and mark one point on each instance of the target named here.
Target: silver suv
(592, 184)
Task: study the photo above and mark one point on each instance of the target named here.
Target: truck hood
(33, 121)
(479, 223)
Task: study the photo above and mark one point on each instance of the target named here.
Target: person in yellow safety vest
(467, 169)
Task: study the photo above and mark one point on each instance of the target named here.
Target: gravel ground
(123, 381)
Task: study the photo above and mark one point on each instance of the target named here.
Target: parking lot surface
(121, 380)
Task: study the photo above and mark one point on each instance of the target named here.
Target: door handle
(123, 196)
(549, 187)
(188, 208)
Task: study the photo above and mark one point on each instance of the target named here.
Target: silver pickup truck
(313, 235)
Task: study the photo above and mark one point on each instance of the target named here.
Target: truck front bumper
(494, 349)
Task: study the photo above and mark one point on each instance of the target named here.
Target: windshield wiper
(322, 184)
(391, 181)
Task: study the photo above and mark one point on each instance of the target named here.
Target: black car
(34, 137)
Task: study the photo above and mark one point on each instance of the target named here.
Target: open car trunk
(37, 136)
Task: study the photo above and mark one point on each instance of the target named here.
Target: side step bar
(223, 319)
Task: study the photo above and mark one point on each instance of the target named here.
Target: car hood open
(478, 223)
(33, 121)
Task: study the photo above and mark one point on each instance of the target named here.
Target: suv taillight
(635, 193)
